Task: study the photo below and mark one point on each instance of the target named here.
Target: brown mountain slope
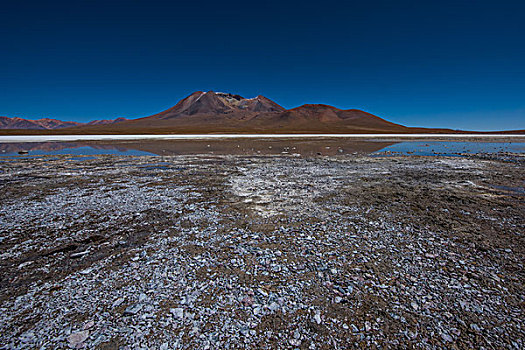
(106, 121)
(216, 112)
(40, 124)
(216, 103)
(212, 112)
(318, 117)
(48, 123)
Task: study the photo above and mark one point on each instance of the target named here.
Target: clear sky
(457, 64)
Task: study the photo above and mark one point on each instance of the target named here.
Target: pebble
(273, 307)
(133, 309)
(317, 317)
(446, 337)
(117, 302)
(76, 339)
(88, 325)
(177, 312)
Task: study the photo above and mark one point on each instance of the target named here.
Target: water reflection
(183, 147)
(451, 148)
(304, 147)
(57, 148)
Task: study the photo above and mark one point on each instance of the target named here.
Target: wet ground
(340, 250)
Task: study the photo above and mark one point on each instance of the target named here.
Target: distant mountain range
(49, 124)
(218, 112)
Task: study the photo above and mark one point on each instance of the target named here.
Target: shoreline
(59, 138)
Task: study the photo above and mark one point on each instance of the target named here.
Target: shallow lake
(452, 148)
(266, 146)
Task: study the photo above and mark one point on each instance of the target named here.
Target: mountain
(106, 121)
(40, 124)
(219, 112)
(218, 103)
(212, 112)
(48, 124)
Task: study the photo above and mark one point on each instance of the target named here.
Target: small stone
(133, 309)
(24, 264)
(79, 254)
(262, 292)
(247, 301)
(177, 312)
(295, 342)
(118, 302)
(368, 326)
(475, 327)
(446, 337)
(77, 338)
(88, 324)
(414, 305)
(273, 306)
(455, 331)
(317, 317)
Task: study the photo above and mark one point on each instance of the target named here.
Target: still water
(452, 148)
(303, 147)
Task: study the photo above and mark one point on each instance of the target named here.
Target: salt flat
(45, 138)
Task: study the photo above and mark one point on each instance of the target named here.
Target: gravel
(224, 252)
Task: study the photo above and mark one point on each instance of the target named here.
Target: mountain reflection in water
(303, 147)
(192, 147)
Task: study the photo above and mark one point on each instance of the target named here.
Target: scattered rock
(224, 252)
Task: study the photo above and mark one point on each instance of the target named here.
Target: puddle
(59, 148)
(515, 190)
(450, 148)
(80, 158)
(159, 167)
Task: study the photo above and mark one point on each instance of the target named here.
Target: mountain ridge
(49, 123)
(219, 112)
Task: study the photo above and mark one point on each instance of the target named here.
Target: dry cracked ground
(228, 252)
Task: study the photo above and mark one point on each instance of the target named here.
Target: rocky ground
(224, 252)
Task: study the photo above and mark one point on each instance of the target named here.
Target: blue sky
(457, 64)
